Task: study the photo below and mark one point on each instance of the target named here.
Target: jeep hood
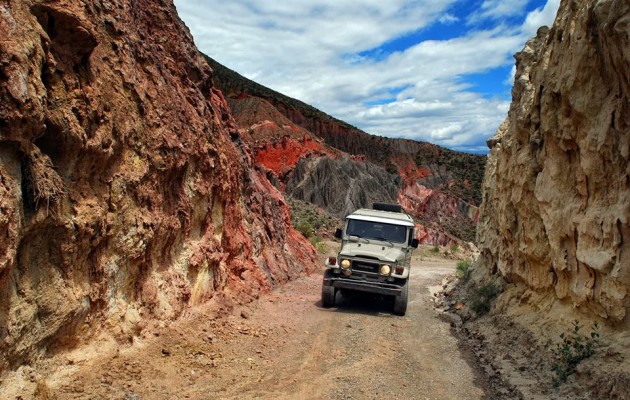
(383, 252)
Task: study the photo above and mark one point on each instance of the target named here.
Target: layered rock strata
(556, 205)
(126, 193)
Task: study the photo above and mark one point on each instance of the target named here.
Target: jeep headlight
(345, 264)
(386, 269)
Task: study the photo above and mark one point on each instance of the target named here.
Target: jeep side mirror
(338, 233)
(414, 243)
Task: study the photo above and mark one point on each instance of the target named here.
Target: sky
(431, 70)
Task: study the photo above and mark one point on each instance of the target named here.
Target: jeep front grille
(365, 266)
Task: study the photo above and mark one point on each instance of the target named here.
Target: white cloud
(497, 9)
(509, 80)
(540, 17)
(448, 19)
(312, 51)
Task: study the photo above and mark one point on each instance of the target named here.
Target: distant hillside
(233, 84)
(432, 182)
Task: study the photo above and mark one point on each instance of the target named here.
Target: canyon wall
(126, 192)
(555, 216)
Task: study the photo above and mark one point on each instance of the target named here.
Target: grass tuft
(463, 269)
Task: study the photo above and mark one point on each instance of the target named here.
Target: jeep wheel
(400, 302)
(328, 296)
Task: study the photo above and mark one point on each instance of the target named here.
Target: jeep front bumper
(383, 288)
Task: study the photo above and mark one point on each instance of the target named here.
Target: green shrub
(482, 297)
(305, 228)
(435, 249)
(572, 349)
(463, 269)
(309, 220)
(319, 244)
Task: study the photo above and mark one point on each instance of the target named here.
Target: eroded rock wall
(555, 215)
(126, 193)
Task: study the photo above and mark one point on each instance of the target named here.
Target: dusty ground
(286, 346)
(283, 346)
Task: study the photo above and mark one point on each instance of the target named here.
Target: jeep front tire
(328, 296)
(400, 301)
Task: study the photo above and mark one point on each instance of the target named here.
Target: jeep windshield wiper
(385, 240)
(359, 238)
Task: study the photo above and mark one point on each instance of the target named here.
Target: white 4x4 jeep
(375, 255)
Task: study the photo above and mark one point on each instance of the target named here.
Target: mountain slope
(441, 187)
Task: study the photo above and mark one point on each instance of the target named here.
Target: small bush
(572, 349)
(455, 248)
(309, 220)
(435, 249)
(482, 298)
(305, 228)
(463, 269)
(319, 245)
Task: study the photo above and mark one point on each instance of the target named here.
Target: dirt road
(285, 346)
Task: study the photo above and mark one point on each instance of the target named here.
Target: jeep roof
(387, 217)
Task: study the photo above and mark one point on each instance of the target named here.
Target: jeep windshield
(377, 231)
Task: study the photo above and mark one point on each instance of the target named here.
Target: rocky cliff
(441, 187)
(126, 192)
(555, 218)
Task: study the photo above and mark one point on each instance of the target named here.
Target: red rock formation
(410, 171)
(442, 214)
(282, 157)
(277, 142)
(434, 236)
(126, 193)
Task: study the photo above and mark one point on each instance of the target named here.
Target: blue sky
(432, 70)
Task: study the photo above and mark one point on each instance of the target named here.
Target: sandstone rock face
(556, 204)
(126, 192)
